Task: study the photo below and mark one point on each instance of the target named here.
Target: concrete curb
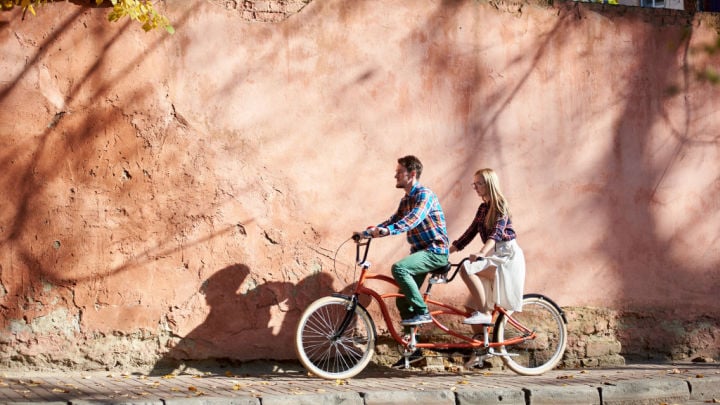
(650, 391)
(642, 384)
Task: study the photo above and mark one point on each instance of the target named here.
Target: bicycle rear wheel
(544, 352)
(328, 354)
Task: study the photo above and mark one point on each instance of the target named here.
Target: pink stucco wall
(187, 193)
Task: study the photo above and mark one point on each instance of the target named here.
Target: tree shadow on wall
(258, 324)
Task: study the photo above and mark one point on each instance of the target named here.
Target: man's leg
(410, 273)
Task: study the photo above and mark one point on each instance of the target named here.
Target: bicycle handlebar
(361, 239)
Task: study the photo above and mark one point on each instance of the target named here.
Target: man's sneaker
(417, 320)
(414, 358)
(479, 318)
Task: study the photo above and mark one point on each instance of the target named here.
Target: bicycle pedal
(492, 353)
(475, 361)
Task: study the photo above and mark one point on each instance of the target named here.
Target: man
(420, 215)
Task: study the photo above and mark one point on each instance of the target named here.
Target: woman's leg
(477, 291)
(489, 275)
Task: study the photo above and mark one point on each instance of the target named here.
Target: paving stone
(212, 401)
(556, 395)
(131, 402)
(648, 391)
(502, 396)
(704, 389)
(409, 397)
(337, 398)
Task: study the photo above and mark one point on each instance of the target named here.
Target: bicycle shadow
(247, 322)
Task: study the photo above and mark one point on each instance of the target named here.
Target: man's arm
(422, 203)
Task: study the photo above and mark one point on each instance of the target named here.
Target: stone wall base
(597, 337)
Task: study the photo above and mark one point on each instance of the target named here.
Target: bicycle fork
(350, 311)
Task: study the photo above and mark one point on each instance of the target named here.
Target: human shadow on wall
(243, 326)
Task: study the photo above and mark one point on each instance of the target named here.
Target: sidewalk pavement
(280, 383)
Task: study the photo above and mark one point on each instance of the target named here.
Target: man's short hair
(411, 163)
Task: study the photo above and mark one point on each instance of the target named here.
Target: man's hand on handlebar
(372, 232)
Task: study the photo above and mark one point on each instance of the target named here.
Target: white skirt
(507, 289)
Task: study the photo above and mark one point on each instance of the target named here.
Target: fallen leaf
(699, 376)
(565, 377)
(61, 390)
(191, 388)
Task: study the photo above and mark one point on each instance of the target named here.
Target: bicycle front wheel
(326, 351)
(544, 352)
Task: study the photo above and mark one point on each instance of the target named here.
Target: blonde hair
(498, 204)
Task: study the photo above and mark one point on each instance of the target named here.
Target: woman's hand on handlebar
(474, 258)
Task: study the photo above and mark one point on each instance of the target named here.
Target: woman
(496, 273)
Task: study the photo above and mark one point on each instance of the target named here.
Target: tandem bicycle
(336, 336)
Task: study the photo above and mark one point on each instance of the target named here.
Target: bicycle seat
(440, 271)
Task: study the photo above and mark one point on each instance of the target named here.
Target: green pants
(410, 274)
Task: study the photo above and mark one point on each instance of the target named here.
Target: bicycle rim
(327, 356)
(538, 355)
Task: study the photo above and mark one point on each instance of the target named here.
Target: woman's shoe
(479, 318)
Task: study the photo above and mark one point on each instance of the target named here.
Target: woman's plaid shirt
(503, 230)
